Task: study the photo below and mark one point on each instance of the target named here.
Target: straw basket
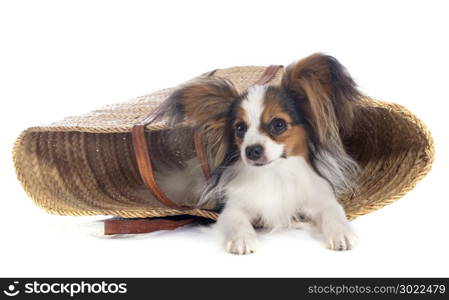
(87, 165)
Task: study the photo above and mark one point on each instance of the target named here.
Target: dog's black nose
(254, 152)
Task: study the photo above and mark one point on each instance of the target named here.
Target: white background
(60, 58)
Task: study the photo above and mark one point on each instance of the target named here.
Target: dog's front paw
(242, 245)
(341, 240)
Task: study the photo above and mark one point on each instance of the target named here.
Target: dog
(279, 150)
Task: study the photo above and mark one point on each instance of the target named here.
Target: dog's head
(312, 106)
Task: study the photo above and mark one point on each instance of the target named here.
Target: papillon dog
(279, 150)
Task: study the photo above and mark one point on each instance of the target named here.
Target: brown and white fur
(279, 150)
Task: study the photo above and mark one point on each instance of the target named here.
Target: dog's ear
(325, 92)
(203, 104)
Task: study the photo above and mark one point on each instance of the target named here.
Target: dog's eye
(278, 126)
(240, 129)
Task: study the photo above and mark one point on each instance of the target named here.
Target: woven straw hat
(87, 165)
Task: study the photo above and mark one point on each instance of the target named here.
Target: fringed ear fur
(205, 104)
(325, 92)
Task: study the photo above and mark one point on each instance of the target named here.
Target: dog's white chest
(273, 193)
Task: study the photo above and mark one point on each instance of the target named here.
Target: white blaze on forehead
(253, 105)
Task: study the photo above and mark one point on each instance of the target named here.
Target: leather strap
(268, 75)
(200, 151)
(142, 149)
(145, 225)
(209, 74)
